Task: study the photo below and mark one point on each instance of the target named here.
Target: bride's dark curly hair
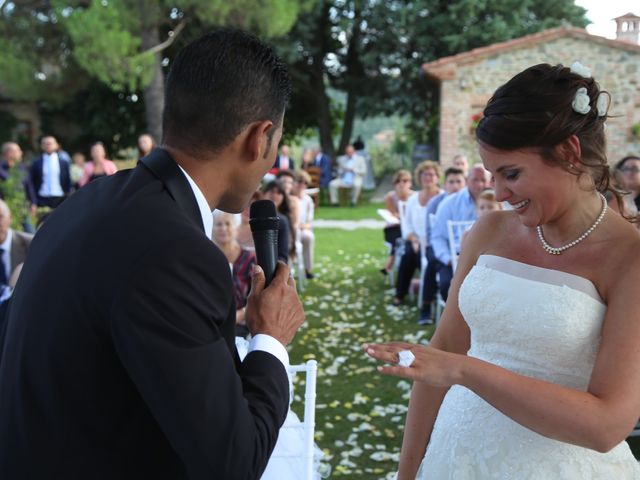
(533, 110)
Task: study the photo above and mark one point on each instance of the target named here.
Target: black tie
(3, 273)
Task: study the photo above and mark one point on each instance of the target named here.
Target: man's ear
(258, 141)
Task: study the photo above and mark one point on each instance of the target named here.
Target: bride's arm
(452, 335)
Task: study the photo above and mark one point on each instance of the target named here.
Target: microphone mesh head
(262, 209)
(263, 216)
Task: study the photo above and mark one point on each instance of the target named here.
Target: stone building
(467, 80)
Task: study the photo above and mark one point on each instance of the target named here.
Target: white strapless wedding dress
(536, 322)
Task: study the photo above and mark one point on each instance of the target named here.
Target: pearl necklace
(558, 250)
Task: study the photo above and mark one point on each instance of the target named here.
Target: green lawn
(359, 212)
(360, 414)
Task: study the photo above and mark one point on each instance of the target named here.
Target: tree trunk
(355, 71)
(154, 92)
(324, 117)
(347, 124)
(323, 111)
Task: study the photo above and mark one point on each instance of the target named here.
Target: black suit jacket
(65, 176)
(125, 366)
(292, 165)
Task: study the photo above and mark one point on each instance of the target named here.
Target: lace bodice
(536, 322)
(530, 326)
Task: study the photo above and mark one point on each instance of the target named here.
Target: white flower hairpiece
(601, 105)
(579, 69)
(581, 101)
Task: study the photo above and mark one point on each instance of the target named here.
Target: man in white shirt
(50, 173)
(351, 171)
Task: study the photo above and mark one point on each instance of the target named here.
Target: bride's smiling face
(538, 191)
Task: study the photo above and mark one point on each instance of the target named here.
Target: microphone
(264, 229)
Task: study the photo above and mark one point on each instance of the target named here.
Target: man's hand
(275, 310)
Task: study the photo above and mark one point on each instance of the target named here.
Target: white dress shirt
(262, 342)
(6, 254)
(51, 176)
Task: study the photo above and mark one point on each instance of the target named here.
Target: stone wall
(469, 86)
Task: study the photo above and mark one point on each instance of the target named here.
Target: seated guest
(146, 143)
(454, 181)
(322, 161)
(460, 161)
(486, 203)
(50, 173)
(351, 171)
(305, 220)
(78, 162)
(414, 226)
(241, 262)
(275, 192)
(307, 159)
(243, 232)
(288, 179)
(628, 170)
(99, 166)
(457, 207)
(395, 202)
(283, 160)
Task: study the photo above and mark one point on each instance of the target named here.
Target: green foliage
(373, 51)
(35, 63)
(106, 43)
(7, 123)
(15, 198)
(98, 113)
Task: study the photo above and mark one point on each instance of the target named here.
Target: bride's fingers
(404, 372)
(386, 352)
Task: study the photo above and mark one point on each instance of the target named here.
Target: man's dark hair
(218, 85)
(453, 171)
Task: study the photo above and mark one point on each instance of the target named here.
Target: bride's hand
(432, 366)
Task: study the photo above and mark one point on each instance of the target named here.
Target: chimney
(628, 28)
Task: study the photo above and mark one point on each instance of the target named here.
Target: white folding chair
(298, 264)
(455, 229)
(306, 453)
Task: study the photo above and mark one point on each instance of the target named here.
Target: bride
(533, 370)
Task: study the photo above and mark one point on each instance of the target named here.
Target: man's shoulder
(64, 156)
(22, 237)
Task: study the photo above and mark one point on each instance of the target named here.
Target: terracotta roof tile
(444, 67)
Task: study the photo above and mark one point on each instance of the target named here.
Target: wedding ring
(405, 358)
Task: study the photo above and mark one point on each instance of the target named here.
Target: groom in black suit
(123, 366)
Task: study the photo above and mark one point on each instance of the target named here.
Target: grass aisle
(360, 414)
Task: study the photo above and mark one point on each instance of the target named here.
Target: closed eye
(511, 174)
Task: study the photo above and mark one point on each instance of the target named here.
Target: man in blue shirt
(457, 207)
(454, 181)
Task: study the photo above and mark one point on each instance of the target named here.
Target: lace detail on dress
(543, 330)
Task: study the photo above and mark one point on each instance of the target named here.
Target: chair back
(455, 230)
(315, 173)
(310, 368)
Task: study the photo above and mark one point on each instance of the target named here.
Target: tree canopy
(372, 51)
